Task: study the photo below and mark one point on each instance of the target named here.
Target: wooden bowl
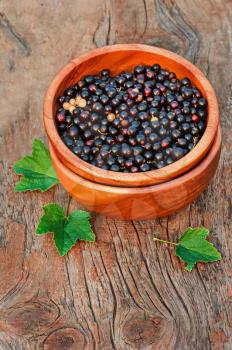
(139, 203)
(118, 58)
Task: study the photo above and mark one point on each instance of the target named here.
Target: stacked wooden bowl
(136, 196)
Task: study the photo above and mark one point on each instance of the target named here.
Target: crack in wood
(8, 27)
(172, 20)
(146, 18)
(101, 36)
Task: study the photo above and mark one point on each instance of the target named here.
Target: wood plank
(125, 291)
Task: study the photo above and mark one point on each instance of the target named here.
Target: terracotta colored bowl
(118, 58)
(140, 203)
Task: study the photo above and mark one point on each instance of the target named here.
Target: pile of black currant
(132, 122)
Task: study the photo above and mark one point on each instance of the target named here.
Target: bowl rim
(191, 174)
(185, 193)
(108, 177)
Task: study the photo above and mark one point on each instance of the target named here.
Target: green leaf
(193, 247)
(80, 219)
(67, 230)
(37, 170)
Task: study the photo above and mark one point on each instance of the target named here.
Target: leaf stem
(68, 205)
(163, 241)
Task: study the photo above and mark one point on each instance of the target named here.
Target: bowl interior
(126, 60)
(125, 57)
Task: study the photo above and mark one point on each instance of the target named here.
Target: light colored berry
(154, 118)
(81, 103)
(77, 99)
(139, 98)
(72, 102)
(71, 108)
(111, 117)
(66, 105)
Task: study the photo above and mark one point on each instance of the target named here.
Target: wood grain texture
(124, 292)
(124, 57)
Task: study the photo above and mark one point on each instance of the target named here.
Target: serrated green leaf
(67, 230)
(37, 170)
(53, 219)
(80, 219)
(193, 247)
(193, 233)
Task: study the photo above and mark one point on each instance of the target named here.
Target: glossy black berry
(202, 102)
(185, 127)
(182, 142)
(133, 122)
(68, 120)
(125, 150)
(144, 167)
(176, 133)
(177, 153)
(153, 137)
(77, 150)
(140, 139)
(62, 127)
(148, 155)
(156, 146)
(89, 79)
(105, 72)
(97, 107)
(162, 132)
(159, 156)
(138, 69)
(142, 106)
(201, 126)
(147, 130)
(129, 163)
(115, 167)
(165, 142)
(160, 164)
(73, 131)
(139, 159)
(137, 150)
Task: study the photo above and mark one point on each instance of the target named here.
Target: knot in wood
(29, 317)
(65, 339)
(140, 333)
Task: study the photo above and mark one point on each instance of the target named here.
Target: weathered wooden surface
(125, 291)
